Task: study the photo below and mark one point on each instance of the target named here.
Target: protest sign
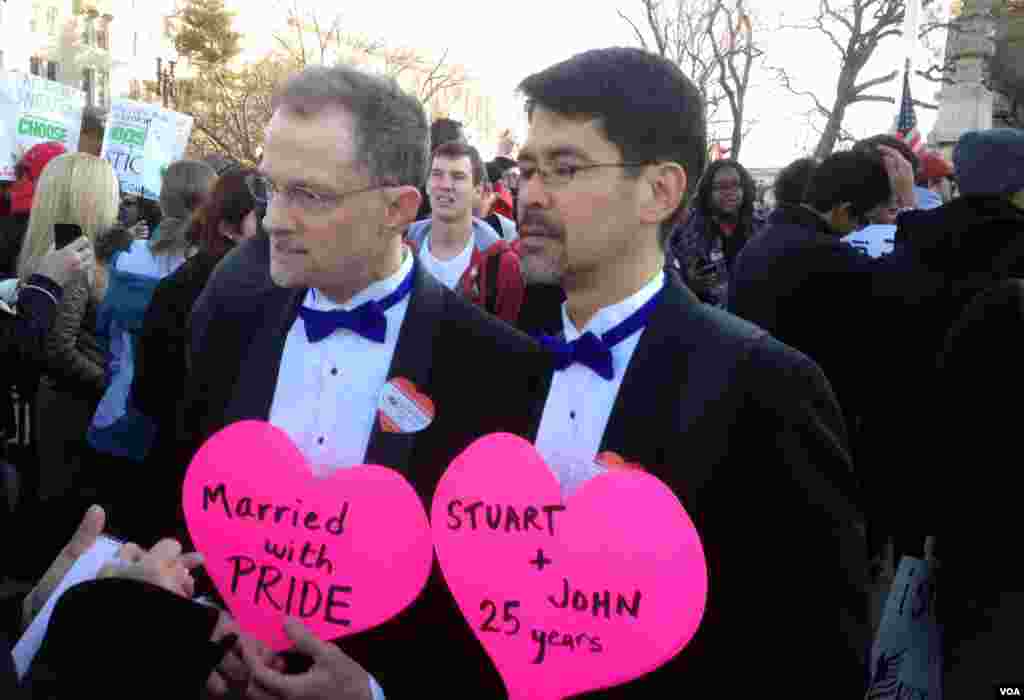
(343, 552)
(140, 141)
(34, 110)
(906, 658)
(566, 595)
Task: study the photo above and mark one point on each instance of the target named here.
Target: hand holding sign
(343, 553)
(568, 596)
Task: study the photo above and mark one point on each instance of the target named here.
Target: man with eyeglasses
(720, 223)
(306, 326)
(744, 429)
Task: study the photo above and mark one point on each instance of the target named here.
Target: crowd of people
(814, 381)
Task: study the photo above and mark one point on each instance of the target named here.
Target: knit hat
(30, 167)
(990, 162)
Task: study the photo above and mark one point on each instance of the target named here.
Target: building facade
(107, 48)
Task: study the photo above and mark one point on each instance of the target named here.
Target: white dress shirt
(327, 393)
(448, 272)
(580, 402)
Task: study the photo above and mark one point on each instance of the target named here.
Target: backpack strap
(492, 267)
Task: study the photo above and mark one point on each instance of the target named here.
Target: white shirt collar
(611, 316)
(378, 290)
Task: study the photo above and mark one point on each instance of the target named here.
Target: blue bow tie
(593, 352)
(588, 350)
(368, 320)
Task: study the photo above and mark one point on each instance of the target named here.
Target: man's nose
(532, 192)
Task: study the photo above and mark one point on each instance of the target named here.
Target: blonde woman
(79, 189)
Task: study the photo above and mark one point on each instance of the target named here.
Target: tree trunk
(830, 135)
(737, 136)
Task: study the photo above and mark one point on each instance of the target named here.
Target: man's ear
(841, 218)
(402, 205)
(665, 190)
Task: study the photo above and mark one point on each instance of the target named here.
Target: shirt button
(320, 440)
(334, 371)
(572, 415)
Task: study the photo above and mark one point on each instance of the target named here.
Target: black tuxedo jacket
(483, 377)
(748, 434)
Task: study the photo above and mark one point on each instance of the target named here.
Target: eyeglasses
(726, 187)
(562, 175)
(264, 190)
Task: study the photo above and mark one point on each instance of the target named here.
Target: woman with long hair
(228, 217)
(117, 430)
(120, 436)
(78, 189)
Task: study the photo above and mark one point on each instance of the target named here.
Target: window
(35, 66)
(89, 32)
(102, 88)
(103, 35)
(52, 69)
(51, 21)
(88, 86)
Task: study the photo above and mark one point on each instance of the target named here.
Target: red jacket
(493, 280)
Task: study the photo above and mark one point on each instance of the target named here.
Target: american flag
(906, 122)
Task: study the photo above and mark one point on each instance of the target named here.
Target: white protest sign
(34, 110)
(906, 658)
(140, 141)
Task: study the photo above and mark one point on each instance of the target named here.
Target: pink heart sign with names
(566, 596)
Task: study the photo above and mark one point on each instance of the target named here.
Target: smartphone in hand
(63, 234)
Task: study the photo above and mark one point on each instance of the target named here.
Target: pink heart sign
(343, 553)
(568, 596)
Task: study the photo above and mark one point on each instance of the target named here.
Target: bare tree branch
(874, 82)
(787, 83)
(872, 98)
(938, 74)
(636, 31)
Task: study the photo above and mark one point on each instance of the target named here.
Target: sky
(501, 43)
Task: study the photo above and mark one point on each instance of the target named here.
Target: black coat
(811, 290)
(160, 368)
(23, 337)
(12, 236)
(943, 258)
(747, 433)
(483, 377)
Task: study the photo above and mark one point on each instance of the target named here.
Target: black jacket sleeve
(24, 334)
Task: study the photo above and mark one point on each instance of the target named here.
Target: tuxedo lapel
(413, 360)
(646, 415)
(261, 361)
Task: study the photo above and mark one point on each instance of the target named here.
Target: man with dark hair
(791, 182)
(455, 246)
(801, 282)
(743, 429)
(305, 327)
(721, 222)
(913, 196)
(442, 131)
